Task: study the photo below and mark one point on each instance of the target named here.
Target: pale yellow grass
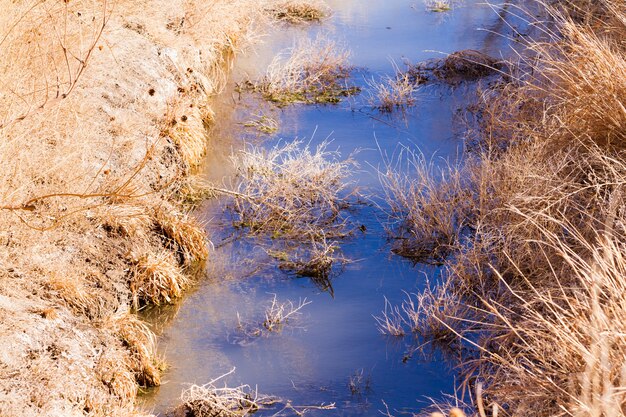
(104, 109)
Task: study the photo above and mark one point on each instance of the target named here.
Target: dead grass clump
(279, 314)
(465, 65)
(291, 191)
(315, 260)
(299, 11)
(210, 400)
(438, 6)
(393, 93)
(156, 278)
(429, 207)
(186, 125)
(312, 71)
(391, 322)
(144, 362)
(129, 220)
(184, 235)
(572, 89)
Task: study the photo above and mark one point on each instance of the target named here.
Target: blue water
(311, 361)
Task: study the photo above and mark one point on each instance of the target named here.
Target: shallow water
(312, 361)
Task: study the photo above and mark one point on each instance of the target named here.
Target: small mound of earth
(466, 65)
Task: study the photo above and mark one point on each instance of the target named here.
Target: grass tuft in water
(311, 72)
(299, 11)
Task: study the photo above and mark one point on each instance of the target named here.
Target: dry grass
(534, 232)
(428, 209)
(144, 362)
(299, 11)
(390, 322)
(184, 234)
(156, 278)
(264, 124)
(312, 71)
(210, 400)
(90, 165)
(438, 6)
(279, 314)
(315, 259)
(291, 191)
(391, 93)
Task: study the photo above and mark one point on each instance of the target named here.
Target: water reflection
(314, 362)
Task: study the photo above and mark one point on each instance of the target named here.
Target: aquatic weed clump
(294, 198)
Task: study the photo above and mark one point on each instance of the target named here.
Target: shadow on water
(333, 352)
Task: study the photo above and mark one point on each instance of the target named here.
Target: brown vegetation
(531, 228)
(391, 93)
(299, 11)
(312, 71)
(103, 113)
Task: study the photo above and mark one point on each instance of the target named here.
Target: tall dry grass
(533, 295)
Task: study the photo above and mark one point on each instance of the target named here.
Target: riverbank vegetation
(104, 115)
(530, 227)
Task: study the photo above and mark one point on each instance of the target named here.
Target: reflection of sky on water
(312, 362)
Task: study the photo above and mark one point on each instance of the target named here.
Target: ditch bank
(104, 110)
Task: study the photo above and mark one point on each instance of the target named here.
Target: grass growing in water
(299, 11)
(532, 227)
(291, 191)
(392, 93)
(438, 6)
(312, 71)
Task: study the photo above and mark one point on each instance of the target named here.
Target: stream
(333, 352)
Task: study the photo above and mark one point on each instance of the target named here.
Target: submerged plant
(264, 124)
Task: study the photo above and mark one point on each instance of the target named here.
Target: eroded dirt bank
(104, 109)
